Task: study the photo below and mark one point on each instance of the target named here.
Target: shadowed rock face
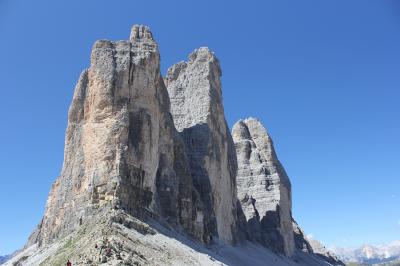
(300, 239)
(121, 149)
(130, 154)
(264, 189)
(194, 88)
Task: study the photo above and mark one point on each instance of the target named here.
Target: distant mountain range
(4, 258)
(369, 254)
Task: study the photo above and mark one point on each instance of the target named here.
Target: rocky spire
(264, 189)
(194, 88)
(121, 148)
(130, 154)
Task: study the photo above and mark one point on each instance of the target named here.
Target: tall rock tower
(122, 150)
(194, 88)
(149, 161)
(264, 189)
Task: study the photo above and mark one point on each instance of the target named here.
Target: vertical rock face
(264, 189)
(194, 88)
(122, 149)
(129, 151)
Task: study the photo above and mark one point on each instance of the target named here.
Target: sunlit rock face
(196, 106)
(121, 148)
(150, 164)
(264, 189)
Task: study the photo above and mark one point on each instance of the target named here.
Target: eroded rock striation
(121, 149)
(264, 189)
(196, 106)
(151, 169)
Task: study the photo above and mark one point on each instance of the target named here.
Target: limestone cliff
(121, 149)
(151, 172)
(196, 105)
(264, 189)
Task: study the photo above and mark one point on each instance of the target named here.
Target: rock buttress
(121, 148)
(264, 189)
(194, 88)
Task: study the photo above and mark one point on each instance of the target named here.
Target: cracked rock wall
(194, 88)
(161, 148)
(264, 188)
(121, 148)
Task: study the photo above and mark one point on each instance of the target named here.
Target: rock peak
(241, 128)
(264, 188)
(197, 109)
(205, 54)
(141, 32)
(202, 52)
(195, 88)
(140, 147)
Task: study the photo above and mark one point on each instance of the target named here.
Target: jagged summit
(205, 54)
(153, 176)
(195, 88)
(141, 32)
(121, 148)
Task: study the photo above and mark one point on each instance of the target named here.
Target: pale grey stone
(264, 189)
(150, 175)
(194, 88)
(121, 149)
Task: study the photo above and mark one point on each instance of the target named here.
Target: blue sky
(323, 77)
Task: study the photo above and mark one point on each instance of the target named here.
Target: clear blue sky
(323, 77)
